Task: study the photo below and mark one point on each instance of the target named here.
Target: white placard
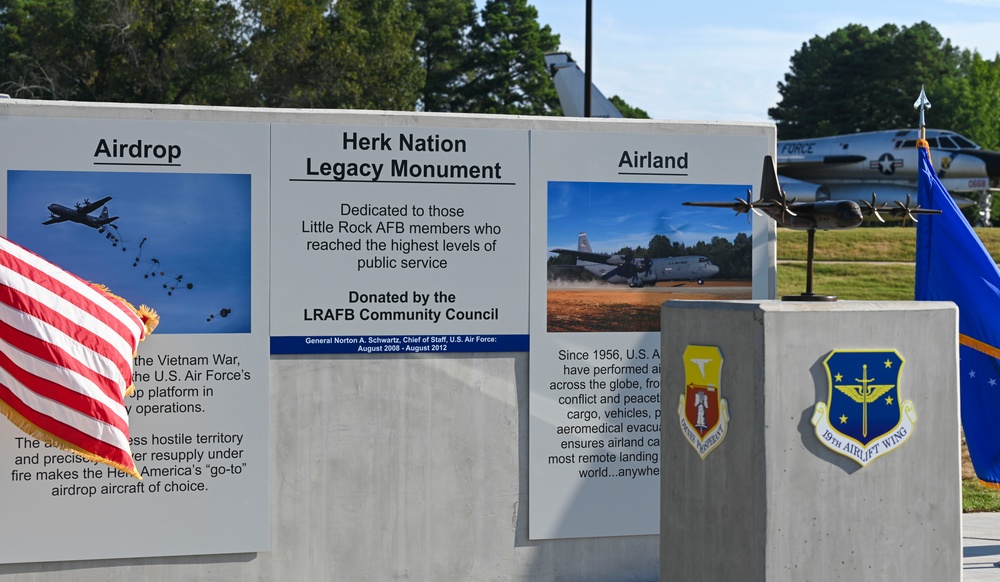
(595, 369)
(190, 241)
(398, 239)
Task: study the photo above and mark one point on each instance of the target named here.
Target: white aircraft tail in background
(569, 80)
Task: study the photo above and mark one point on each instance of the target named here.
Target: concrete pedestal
(771, 501)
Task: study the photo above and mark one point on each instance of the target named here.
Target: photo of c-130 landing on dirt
(636, 247)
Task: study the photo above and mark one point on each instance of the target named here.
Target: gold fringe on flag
(147, 314)
(46, 437)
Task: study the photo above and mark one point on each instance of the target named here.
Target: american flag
(66, 350)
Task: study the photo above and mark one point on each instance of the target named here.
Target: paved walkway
(980, 547)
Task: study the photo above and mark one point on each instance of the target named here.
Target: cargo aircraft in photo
(81, 214)
(637, 271)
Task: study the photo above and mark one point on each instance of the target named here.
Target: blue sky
(196, 226)
(615, 215)
(722, 60)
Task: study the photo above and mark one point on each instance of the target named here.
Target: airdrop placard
(173, 215)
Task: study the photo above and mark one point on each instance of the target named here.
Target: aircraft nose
(990, 159)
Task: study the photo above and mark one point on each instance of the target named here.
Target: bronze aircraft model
(813, 216)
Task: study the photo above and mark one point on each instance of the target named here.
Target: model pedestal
(875, 496)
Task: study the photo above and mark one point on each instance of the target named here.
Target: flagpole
(922, 104)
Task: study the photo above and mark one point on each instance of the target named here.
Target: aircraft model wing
(55, 219)
(897, 210)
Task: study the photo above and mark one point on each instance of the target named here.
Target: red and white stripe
(66, 353)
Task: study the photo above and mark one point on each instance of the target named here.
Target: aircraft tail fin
(569, 80)
(583, 245)
(769, 188)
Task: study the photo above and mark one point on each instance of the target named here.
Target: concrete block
(771, 502)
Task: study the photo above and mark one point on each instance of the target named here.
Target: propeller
(785, 204)
(905, 210)
(747, 206)
(871, 209)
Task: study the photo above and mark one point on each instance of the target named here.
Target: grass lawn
(873, 264)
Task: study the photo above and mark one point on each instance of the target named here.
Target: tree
(970, 102)
(157, 51)
(858, 80)
(507, 62)
(442, 45)
(659, 246)
(285, 42)
(370, 63)
(627, 110)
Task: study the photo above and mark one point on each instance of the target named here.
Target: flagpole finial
(922, 104)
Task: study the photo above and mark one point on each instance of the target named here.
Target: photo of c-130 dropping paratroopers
(618, 251)
(179, 243)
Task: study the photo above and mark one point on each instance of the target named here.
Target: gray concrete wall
(771, 502)
(390, 468)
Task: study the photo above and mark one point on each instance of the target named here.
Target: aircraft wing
(896, 211)
(737, 205)
(92, 206)
(740, 205)
(55, 219)
(591, 257)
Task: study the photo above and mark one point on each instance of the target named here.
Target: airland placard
(611, 243)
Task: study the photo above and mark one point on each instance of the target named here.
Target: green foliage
(627, 110)
(371, 60)
(286, 42)
(978, 498)
(856, 80)
(860, 282)
(352, 54)
(893, 244)
(970, 101)
(507, 72)
(155, 51)
(442, 44)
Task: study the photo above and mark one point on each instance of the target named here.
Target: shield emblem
(702, 411)
(701, 408)
(863, 417)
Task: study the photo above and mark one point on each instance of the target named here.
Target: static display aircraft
(81, 214)
(639, 272)
(851, 167)
(841, 167)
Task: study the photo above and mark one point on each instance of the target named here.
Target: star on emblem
(888, 400)
(843, 419)
(888, 363)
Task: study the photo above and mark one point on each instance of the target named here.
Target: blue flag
(953, 265)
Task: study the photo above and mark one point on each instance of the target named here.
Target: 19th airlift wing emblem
(863, 417)
(702, 411)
